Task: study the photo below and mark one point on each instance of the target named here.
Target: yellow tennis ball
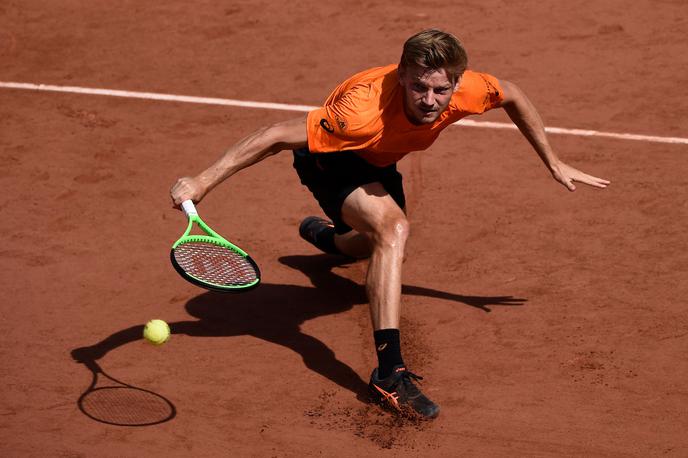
(156, 332)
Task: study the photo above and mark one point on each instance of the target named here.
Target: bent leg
(374, 214)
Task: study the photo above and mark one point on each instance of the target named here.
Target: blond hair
(434, 49)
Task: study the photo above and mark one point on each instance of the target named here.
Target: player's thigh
(370, 209)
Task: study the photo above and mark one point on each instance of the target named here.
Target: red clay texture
(544, 323)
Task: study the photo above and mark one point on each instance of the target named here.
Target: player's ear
(457, 83)
(400, 74)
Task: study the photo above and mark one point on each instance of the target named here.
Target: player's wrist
(204, 184)
(553, 164)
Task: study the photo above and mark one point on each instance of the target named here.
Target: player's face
(427, 93)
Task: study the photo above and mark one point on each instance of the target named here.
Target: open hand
(567, 175)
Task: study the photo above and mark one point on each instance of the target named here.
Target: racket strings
(127, 406)
(215, 264)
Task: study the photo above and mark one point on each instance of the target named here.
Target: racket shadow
(113, 402)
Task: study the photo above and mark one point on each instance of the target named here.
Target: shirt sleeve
(478, 93)
(346, 122)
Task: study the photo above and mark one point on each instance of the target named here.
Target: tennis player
(346, 153)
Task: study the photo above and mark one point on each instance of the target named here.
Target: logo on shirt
(492, 95)
(325, 124)
(341, 123)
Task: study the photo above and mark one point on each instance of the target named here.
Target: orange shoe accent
(392, 397)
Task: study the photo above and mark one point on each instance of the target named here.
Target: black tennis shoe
(318, 232)
(399, 392)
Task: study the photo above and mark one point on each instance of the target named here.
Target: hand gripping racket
(210, 261)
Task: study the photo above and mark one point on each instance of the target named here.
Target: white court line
(156, 96)
(306, 108)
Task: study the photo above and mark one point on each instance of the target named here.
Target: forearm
(251, 149)
(527, 119)
(248, 151)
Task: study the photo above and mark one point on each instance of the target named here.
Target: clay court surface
(545, 323)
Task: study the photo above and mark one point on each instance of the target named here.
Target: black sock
(388, 351)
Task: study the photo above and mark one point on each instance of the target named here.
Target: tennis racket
(210, 261)
(111, 401)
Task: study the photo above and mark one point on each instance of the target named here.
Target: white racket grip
(189, 208)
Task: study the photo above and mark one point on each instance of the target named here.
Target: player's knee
(392, 232)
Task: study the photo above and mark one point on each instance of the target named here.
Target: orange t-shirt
(366, 114)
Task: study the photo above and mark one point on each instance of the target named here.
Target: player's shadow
(275, 313)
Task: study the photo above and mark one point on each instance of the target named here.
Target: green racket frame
(216, 239)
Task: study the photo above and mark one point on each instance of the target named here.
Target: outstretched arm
(252, 149)
(528, 121)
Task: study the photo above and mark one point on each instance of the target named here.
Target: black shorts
(331, 177)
